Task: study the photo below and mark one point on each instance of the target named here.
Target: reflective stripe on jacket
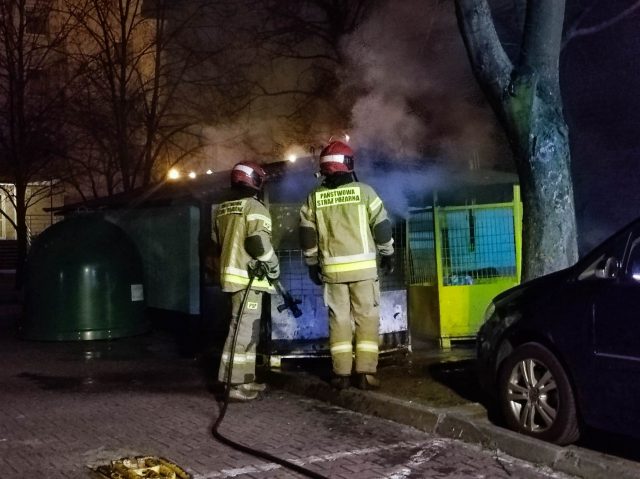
(343, 219)
(235, 221)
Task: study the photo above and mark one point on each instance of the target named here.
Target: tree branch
(542, 36)
(575, 32)
(490, 63)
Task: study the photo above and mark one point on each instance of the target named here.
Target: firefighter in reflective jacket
(343, 226)
(242, 234)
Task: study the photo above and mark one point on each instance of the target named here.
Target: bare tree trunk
(526, 98)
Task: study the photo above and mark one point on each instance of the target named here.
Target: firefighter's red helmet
(336, 157)
(249, 174)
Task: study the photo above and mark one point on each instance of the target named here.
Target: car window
(633, 263)
(612, 250)
(589, 272)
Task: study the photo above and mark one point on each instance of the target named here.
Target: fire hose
(289, 303)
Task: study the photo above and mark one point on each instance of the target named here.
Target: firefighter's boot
(366, 381)
(340, 382)
(239, 393)
(255, 387)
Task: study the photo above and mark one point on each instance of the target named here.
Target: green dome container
(84, 280)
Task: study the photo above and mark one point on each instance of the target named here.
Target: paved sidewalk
(438, 393)
(71, 406)
(66, 406)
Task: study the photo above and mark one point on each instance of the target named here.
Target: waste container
(84, 280)
(460, 257)
(308, 335)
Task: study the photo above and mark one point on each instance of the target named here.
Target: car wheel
(536, 397)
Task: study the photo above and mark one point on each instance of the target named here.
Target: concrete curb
(468, 423)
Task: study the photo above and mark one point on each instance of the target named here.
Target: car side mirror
(608, 268)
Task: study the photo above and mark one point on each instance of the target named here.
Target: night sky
(600, 77)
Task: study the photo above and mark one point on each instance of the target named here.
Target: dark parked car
(563, 351)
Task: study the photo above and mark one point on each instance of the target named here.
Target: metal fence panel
(478, 244)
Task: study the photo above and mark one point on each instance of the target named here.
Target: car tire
(536, 397)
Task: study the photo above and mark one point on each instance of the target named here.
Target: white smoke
(413, 96)
(422, 99)
(400, 189)
(382, 122)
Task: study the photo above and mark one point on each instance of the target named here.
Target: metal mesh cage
(477, 244)
(396, 280)
(421, 255)
(293, 273)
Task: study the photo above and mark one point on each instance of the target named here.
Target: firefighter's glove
(315, 274)
(273, 271)
(258, 269)
(387, 264)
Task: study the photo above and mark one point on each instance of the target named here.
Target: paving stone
(68, 414)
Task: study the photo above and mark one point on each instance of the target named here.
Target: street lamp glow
(192, 174)
(173, 174)
(292, 158)
(209, 172)
(347, 137)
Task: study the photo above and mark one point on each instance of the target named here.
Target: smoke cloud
(421, 99)
(400, 189)
(417, 112)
